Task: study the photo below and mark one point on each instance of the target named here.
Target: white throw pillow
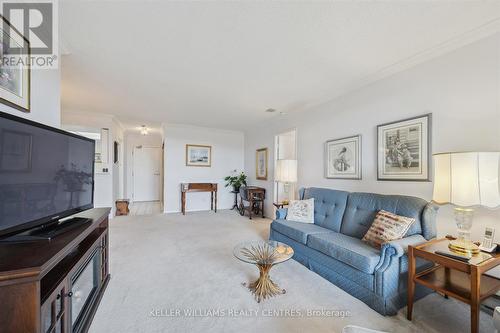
(301, 211)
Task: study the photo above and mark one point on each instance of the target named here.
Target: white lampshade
(286, 171)
(467, 179)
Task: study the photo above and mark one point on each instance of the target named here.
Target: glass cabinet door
(84, 285)
(53, 311)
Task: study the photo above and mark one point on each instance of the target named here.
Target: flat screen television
(46, 174)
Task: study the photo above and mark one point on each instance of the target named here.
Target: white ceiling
(221, 64)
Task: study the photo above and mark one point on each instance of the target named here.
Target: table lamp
(466, 180)
(286, 172)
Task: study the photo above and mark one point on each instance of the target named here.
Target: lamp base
(463, 247)
(463, 244)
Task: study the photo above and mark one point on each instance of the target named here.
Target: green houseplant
(236, 180)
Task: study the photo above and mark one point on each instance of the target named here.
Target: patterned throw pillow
(386, 227)
(301, 211)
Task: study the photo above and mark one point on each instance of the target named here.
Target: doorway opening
(147, 180)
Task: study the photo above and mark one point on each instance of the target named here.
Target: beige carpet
(174, 273)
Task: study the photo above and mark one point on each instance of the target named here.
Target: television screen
(45, 174)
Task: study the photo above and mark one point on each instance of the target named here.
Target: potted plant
(236, 181)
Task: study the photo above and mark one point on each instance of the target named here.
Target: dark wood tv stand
(41, 286)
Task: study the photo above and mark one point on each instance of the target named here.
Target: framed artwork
(343, 158)
(261, 164)
(404, 149)
(14, 77)
(198, 155)
(15, 151)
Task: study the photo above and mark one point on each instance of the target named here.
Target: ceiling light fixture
(270, 110)
(144, 130)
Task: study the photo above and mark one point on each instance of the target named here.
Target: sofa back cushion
(363, 207)
(329, 206)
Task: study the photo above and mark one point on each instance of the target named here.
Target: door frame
(160, 168)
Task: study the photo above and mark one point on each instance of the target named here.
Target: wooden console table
(199, 187)
(464, 281)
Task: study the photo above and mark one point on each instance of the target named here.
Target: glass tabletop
(263, 252)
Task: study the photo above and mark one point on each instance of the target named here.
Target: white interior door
(146, 173)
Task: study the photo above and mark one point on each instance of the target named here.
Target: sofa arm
(387, 271)
(397, 248)
(281, 213)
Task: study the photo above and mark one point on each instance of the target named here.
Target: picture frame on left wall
(15, 77)
(261, 164)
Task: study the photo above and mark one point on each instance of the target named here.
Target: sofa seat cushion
(297, 230)
(349, 250)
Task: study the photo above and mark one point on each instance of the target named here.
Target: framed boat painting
(198, 155)
(404, 149)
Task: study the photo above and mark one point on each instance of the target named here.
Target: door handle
(157, 174)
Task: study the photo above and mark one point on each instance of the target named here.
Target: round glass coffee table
(263, 254)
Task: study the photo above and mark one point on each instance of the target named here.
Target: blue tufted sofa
(332, 246)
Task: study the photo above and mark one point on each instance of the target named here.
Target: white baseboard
(193, 210)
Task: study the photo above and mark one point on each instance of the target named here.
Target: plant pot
(236, 188)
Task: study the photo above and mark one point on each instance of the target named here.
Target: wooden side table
(255, 197)
(464, 281)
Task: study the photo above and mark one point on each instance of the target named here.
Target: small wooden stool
(122, 207)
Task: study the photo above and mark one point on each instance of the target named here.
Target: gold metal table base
(264, 255)
(264, 287)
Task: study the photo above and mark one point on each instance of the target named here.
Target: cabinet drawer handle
(69, 294)
(58, 296)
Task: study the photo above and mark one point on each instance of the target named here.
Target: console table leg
(211, 200)
(411, 283)
(183, 203)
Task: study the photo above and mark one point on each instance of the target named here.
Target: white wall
(462, 91)
(45, 98)
(133, 139)
(227, 155)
